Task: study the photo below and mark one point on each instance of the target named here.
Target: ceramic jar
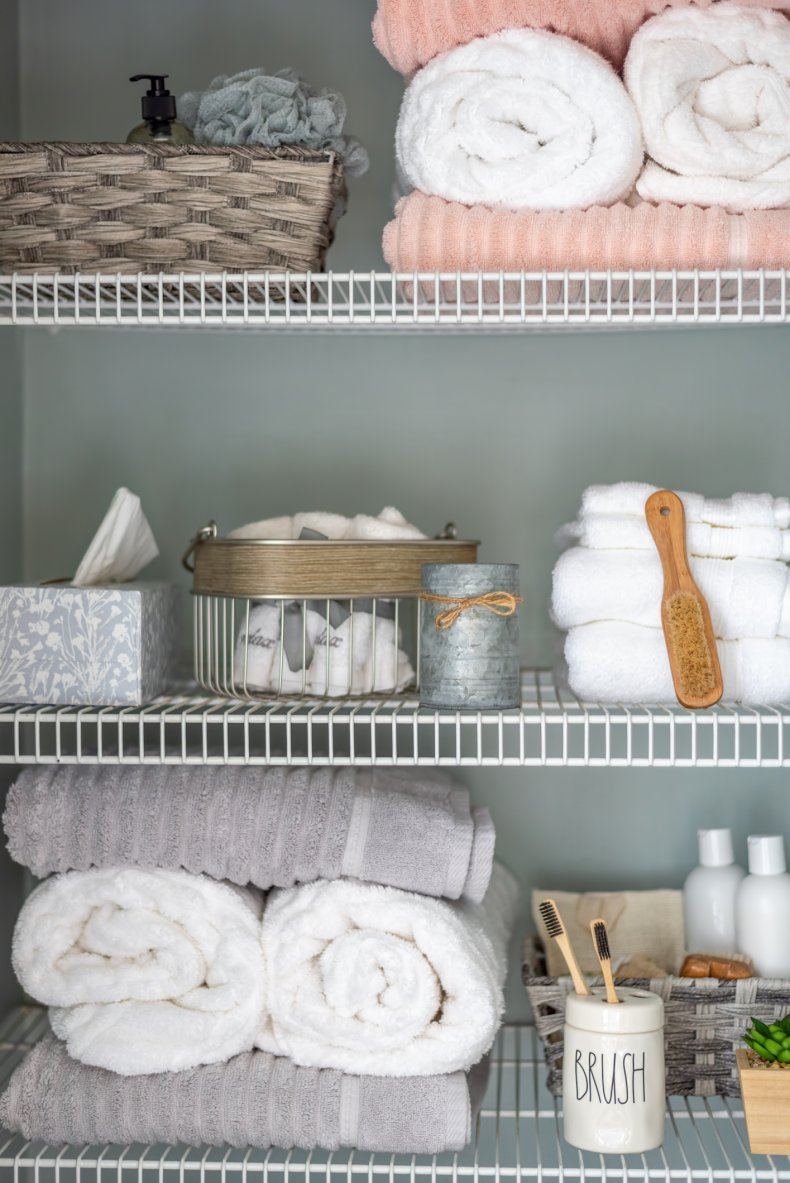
(614, 1091)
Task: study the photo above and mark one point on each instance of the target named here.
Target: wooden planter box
(766, 1105)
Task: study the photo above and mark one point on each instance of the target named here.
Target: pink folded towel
(411, 32)
(429, 234)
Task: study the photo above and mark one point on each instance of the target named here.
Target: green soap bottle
(159, 125)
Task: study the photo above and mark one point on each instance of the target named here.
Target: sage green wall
(500, 435)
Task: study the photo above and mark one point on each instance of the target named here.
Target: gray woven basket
(704, 1022)
(157, 207)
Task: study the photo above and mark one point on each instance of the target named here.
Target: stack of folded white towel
(608, 589)
(320, 647)
(338, 1009)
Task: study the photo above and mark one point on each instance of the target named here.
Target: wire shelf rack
(518, 1137)
(387, 302)
(551, 729)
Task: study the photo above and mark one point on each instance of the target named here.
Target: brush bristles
(551, 918)
(602, 942)
(689, 642)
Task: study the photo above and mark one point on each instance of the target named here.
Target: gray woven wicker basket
(704, 1022)
(157, 207)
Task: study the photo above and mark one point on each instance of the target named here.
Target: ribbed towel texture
(254, 1100)
(267, 827)
(712, 89)
(409, 33)
(373, 980)
(523, 120)
(144, 971)
(429, 234)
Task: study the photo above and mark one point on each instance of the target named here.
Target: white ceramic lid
(638, 1011)
(767, 854)
(715, 848)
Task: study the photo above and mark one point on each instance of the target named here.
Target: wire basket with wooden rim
(311, 618)
(121, 208)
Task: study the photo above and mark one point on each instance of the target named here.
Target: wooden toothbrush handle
(565, 946)
(666, 519)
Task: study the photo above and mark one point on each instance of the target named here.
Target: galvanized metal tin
(473, 664)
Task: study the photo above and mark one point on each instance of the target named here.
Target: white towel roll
(523, 119)
(376, 981)
(146, 970)
(741, 509)
(712, 88)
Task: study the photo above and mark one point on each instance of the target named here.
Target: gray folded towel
(254, 1100)
(269, 827)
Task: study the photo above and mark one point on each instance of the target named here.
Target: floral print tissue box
(91, 646)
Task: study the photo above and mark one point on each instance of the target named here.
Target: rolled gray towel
(270, 827)
(254, 1100)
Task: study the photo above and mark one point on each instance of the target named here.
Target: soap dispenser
(763, 908)
(709, 895)
(160, 125)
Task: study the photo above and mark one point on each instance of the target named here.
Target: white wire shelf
(552, 729)
(518, 1137)
(385, 302)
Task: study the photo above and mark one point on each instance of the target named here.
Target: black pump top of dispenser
(159, 105)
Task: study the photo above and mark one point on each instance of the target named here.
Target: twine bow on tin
(501, 603)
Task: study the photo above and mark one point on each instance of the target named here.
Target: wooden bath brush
(691, 645)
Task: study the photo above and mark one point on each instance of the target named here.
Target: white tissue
(123, 544)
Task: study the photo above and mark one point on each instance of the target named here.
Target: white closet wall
(498, 434)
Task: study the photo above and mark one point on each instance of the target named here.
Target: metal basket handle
(209, 531)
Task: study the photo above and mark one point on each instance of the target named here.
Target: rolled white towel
(389, 525)
(523, 119)
(345, 662)
(742, 509)
(712, 88)
(628, 532)
(146, 970)
(270, 529)
(624, 663)
(377, 981)
(746, 597)
(318, 524)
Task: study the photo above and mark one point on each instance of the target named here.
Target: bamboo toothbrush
(601, 941)
(555, 928)
(691, 645)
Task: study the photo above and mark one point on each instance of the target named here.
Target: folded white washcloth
(390, 524)
(523, 119)
(746, 597)
(271, 529)
(742, 509)
(628, 532)
(146, 970)
(377, 981)
(347, 662)
(615, 662)
(712, 87)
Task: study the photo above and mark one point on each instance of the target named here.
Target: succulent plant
(771, 1042)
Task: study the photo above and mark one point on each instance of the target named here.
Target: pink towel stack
(430, 234)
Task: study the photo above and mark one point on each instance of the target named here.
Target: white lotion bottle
(762, 910)
(709, 895)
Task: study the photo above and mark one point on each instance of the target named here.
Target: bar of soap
(705, 965)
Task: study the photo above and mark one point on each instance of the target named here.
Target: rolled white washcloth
(712, 88)
(742, 509)
(390, 524)
(746, 597)
(377, 981)
(522, 119)
(349, 665)
(146, 970)
(624, 663)
(628, 532)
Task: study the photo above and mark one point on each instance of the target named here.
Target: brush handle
(565, 947)
(666, 520)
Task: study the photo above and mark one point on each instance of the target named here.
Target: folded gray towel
(253, 1100)
(269, 827)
